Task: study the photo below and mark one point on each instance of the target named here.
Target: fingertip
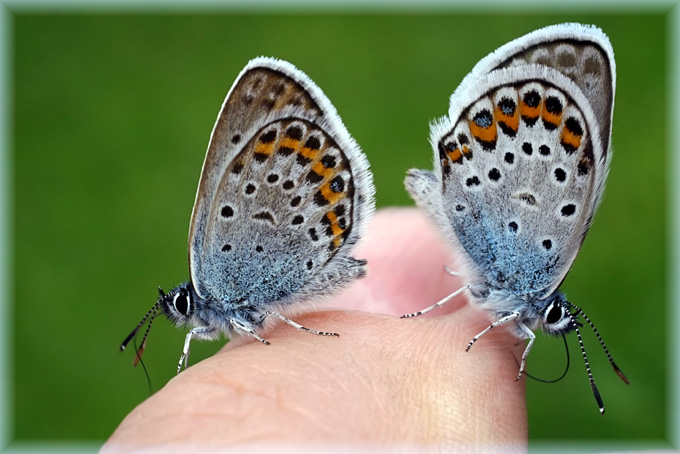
(407, 256)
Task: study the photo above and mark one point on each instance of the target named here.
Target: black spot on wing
(264, 216)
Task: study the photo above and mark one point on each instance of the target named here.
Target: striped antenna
(596, 392)
(618, 371)
(150, 315)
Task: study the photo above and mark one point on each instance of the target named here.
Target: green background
(112, 115)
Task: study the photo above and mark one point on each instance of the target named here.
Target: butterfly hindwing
(518, 178)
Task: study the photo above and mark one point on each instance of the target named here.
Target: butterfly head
(178, 304)
(556, 318)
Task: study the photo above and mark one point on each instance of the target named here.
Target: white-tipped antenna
(596, 393)
(618, 371)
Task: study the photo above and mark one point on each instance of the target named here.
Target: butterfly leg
(243, 328)
(532, 337)
(195, 332)
(298, 326)
(502, 321)
(439, 303)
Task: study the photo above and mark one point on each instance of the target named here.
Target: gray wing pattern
(283, 193)
(518, 176)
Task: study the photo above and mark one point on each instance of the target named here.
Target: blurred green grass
(112, 116)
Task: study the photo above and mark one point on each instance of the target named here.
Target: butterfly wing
(284, 193)
(521, 161)
(580, 52)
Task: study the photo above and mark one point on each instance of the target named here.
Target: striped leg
(439, 303)
(502, 321)
(244, 329)
(298, 326)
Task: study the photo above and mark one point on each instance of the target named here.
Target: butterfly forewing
(581, 53)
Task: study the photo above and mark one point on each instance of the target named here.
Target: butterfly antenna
(153, 310)
(140, 351)
(618, 371)
(139, 325)
(566, 369)
(596, 393)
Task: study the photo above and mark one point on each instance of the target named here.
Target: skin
(385, 382)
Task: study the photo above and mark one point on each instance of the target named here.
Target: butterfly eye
(554, 314)
(182, 302)
(556, 319)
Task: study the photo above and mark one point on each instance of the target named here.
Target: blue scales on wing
(279, 203)
(516, 170)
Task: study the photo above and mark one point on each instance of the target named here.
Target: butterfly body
(519, 169)
(285, 192)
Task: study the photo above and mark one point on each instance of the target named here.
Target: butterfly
(285, 193)
(519, 169)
